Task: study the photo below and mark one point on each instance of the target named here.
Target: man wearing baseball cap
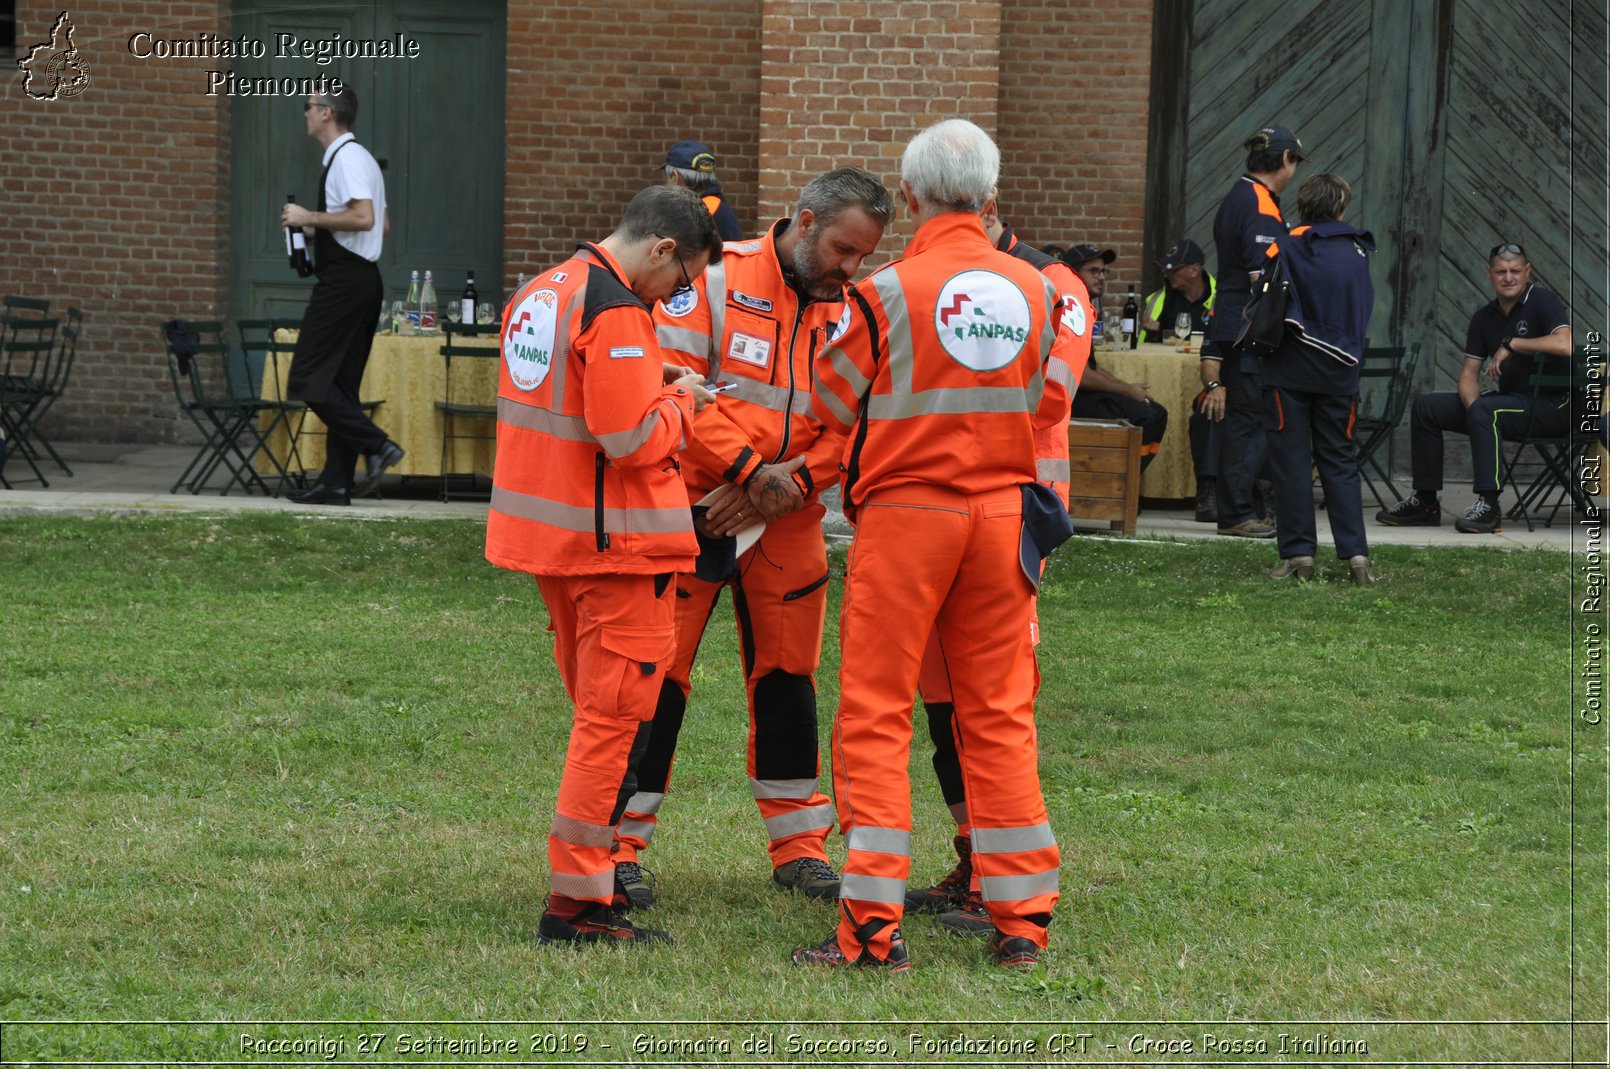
(1249, 221)
(692, 164)
(1189, 289)
(1104, 396)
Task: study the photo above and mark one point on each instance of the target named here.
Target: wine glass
(485, 312)
(1182, 326)
(398, 318)
(1112, 333)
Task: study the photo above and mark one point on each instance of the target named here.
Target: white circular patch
(528, 343)
(982, 320)
(681, 304)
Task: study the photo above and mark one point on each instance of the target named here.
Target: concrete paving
(136, 478)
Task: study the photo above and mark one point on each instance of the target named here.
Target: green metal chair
(456, 406)
(1560, 474)
(198, 362)
(1386, 384)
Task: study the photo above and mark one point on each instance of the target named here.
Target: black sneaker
(810, 876)
(828, 953)
(1482, 517)
(634, 885)
(595, 924)
(1014, 952)
(971, 918)
(950, 892)
(1411, 512)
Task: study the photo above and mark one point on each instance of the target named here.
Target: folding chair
(27, 347)
(1386, 382)
(297, 412)
(49, 385)
(458, 404)
(262, 382)
(1561, 455)
(198, 361)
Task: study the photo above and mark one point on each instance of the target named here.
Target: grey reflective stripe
(1012, 840)
(771, 398)
(879, 840)
(1016, 888)
(683, 340)
(898, 340)
(1052, 471)
(860, 888)
(645, 803)
(533, 418)
(960, 401)
(715, 291)
(1057, 370)
(579, 518)
(625, 443)
(600, 885)
(851, 374)
(641, 829)
(811, 818)
(783, 788)
(579, 832)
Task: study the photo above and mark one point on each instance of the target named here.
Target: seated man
(1507, 338)
(1190, 290)
(1104, 396)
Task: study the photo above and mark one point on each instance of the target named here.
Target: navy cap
(1185, 251)
(691, 156)
(1079, 254)
(1277, 138)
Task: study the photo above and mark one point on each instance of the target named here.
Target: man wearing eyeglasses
(1103, 395)
(756, 321)
(338, 328)
(587, 497)
(1508, 339)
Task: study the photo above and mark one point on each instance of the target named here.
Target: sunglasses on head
(1508, 248)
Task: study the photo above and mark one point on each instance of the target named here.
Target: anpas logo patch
(982, 320)
(528, 343)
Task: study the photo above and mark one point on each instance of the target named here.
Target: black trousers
(1149, 416)
(1306, 431)
(1242, 445)
(338, 330)
(1486, 421)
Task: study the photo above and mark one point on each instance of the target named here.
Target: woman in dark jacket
(1311, 385)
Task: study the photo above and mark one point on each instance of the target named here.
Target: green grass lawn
(273, 768)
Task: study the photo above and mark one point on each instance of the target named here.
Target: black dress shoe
(388, 456)
(323, 495)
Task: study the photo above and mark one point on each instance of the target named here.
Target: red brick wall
(116, 200)
(1075, 96)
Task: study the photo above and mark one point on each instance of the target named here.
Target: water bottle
(411, 306)
(427, 305)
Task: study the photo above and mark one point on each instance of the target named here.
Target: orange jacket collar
(608, 262)
(952, 228)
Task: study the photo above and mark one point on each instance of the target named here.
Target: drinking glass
(398, 318)
(1112, 332)
(1182, 326)
(485, 313)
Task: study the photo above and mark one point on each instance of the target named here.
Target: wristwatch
(1214, 385)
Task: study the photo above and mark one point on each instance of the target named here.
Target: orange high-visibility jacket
(743, 323)
(940, 367)
(585, 479)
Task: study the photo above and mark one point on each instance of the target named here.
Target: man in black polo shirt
(1508, 337)
(1249, 221)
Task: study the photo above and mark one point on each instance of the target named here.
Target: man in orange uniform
(936, 378)
(956, 896)
(586, 496)
(758, 320)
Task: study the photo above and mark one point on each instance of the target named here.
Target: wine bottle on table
(468, 302)
(1131, 314)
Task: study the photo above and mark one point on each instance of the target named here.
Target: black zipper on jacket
(788, 408)
(598, 503)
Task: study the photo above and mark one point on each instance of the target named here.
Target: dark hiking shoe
(1014, 952)
(951, 891)
(1411, 512)
(1482, 517)
(595, 924)
(828, 953)
(971, 918)
(633, 885)
(810, 876)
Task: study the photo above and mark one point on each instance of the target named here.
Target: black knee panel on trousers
(655, 769)
(947, 762)
(785, 726)
(629, 783)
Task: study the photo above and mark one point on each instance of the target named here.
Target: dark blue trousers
(1307, 431)
(1486, 421)
(1242, 444)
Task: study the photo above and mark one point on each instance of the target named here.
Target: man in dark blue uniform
(1249, 221)
(692, 164)
(1508, 338)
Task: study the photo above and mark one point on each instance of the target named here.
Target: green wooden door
(435, 123)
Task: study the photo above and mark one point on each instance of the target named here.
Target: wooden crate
(1104, 472)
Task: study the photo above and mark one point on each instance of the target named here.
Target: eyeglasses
(1509, 248)
(1099, 272)
(309, 105)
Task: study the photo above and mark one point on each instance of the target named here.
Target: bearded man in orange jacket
(756, 322)
(936, 378)
(587, 496)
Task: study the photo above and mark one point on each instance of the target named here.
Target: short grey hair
(952, 165)
(700, 182)
(830, 195)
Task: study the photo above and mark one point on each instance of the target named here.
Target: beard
(814, 276)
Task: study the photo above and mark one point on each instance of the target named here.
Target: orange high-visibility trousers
(780, 601)
(613, 635)
(930, 560)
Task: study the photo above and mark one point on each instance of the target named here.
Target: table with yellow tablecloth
(1175, 379)
(408, 375)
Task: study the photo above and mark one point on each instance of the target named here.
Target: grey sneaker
(1411, 512)
(1301, 567)
(810, 876)
(1482, 517)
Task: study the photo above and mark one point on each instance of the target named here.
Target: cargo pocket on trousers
(630, 686)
